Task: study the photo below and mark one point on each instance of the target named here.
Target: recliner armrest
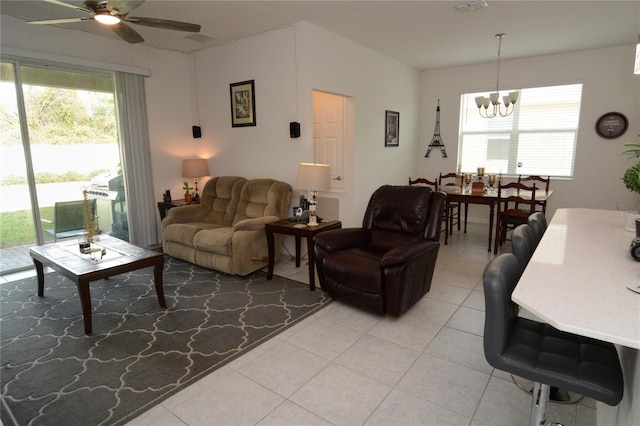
(254, 224)
(340, 239)
(407, 252)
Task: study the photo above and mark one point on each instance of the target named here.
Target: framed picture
(391, 128)
(243, 104)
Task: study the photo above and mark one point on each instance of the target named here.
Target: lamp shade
(195, 167)
(314, 177)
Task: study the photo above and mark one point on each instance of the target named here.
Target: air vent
(471, 5)
(200, 38)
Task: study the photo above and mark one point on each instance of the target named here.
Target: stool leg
(539, 404)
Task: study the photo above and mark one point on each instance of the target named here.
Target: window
(539, 138)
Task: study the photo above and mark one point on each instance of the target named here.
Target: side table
(163, 206)
(298, 230)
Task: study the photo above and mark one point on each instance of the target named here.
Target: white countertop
(578, 276)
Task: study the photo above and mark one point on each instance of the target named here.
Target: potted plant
(188, 196)
(631, 178)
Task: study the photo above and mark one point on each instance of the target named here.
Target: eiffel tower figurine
(437, 140)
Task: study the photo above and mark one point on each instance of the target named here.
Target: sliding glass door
(59, 139)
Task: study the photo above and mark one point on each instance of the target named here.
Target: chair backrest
(263, 197)
(424, 181)
(69, 215)
(523, 243)
(448, 176)
(220, 198)
(516, 193)
(535, 179)
(398, 215)
(499, 279)
(538, 223)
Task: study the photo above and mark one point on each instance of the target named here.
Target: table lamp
(314, 177)
(195, 168)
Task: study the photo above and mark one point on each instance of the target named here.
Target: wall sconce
(195, 168)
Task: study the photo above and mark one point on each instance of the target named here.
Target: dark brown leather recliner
(387, 265)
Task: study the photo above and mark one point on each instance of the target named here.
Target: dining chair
(453, 212)
(509, 213)
(538, 352)
(434, 186)
(534, 179)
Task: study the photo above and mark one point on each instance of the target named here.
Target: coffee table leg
(157, 279)
(40, 270)
(312, 259)
(85, 300)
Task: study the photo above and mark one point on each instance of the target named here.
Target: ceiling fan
(115, 13)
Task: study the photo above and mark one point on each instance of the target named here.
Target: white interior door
(329, 134)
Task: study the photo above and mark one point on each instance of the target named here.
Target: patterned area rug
(139, 354)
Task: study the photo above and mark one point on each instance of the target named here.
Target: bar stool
(523, 242)
(541, 353)
(538, 222)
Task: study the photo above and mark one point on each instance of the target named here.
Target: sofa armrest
(340, 239)
(254, 224)
(406, 252)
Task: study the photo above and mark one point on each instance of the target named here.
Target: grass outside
(17, 229)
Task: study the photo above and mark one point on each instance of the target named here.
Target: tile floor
(343, 366)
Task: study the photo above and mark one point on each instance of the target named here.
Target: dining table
(582, 279)
(489, 197)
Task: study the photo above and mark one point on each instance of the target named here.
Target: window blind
(539, 138)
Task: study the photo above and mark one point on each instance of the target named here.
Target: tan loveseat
(226, 230)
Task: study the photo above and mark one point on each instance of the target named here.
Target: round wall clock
(612, 125)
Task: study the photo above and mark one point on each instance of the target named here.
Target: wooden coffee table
(120, 257)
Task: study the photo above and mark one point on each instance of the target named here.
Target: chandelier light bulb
(494, 98)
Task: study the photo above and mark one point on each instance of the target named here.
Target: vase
(188, 198)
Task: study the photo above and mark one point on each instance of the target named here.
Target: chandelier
(494, 98)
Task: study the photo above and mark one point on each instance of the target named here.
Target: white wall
(374, 83)
(287, 65)
(608, 85)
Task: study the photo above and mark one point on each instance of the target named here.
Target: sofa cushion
(263, 197)
(216, 240)
(220, 198)
(182, 233)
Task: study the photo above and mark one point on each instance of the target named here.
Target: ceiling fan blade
(164, 23)
(127, 33)
(60, 21)
(71, 6)
(123, 6)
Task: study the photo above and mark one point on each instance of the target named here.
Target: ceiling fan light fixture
(107, 19)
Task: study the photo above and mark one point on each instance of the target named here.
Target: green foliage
(631, 178)
(186, 187)
(63, 117)
(47, 177)
(16, 228)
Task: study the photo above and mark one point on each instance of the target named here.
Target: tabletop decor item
(188, 196)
